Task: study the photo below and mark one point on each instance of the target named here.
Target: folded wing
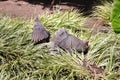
(39, 32)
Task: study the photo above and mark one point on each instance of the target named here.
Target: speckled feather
(39, 32)
(67, 41)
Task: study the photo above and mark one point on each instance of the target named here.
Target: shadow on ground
(84, 5)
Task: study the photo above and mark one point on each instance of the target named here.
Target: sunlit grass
(21, 60)
(104, 10)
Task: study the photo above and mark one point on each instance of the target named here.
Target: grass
(21, 60)
(104, 10)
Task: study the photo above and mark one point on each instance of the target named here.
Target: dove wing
(39, 34)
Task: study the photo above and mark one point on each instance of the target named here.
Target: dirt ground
(24, 9)
(30, 8)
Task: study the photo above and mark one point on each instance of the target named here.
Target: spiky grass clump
(70, 19)
(20, 59)
(105, 52)
(104, 10)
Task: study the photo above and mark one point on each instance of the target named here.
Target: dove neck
(38, 24)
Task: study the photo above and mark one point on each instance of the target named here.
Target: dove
(39, 34)
(68, 42)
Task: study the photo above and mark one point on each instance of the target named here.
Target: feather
(69, 42)
(39, 32)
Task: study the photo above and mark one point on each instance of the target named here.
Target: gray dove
(39, 34)
(69, 42)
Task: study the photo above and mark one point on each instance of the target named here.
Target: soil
(25, 9)
(97, 24)
(31, 8)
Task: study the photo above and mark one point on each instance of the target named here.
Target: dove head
(36, 19)
(37, 24)
(85, 46)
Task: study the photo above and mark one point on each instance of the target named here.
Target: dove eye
(61, 34)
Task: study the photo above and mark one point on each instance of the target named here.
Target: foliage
(21, 60)
(115, 16)
(104, 10)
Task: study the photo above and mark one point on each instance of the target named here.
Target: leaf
(115, 17)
